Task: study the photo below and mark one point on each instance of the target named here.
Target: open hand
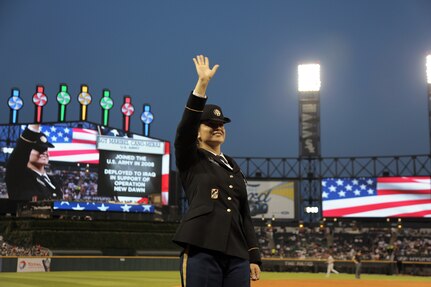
(203, 70)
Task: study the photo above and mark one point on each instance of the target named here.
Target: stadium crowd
(78, 185)
(315, 243)
(344, 242)
(11, 250)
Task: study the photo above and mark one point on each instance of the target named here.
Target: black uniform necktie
(46, 180)
(224, 161)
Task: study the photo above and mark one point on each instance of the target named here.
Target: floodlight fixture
(309, 78)
(428, 63)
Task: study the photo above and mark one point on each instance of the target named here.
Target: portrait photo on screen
(72, 168)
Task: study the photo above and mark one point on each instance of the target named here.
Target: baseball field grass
(171, 279)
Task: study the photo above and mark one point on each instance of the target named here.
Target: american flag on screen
(376, 197)
(103, 207)
(72, 144)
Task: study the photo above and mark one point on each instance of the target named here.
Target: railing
(315, 168)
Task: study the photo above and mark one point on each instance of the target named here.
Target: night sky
(372, 56)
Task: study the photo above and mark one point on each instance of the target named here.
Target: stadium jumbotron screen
(98, 163)
(398, 197)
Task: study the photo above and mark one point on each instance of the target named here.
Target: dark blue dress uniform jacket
(218, 217)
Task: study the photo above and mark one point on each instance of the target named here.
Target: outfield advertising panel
(33, 264)
(271, 199)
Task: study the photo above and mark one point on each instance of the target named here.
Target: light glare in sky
(429, 69)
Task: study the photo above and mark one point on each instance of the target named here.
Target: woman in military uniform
(26, 178)
(219, 241)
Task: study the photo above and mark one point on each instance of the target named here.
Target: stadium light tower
(309, 139)
(309, 109)
(428, 71)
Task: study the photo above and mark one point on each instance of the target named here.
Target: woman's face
(212, 133)
(39, 158)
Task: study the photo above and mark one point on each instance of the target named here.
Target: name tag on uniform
(214, 193)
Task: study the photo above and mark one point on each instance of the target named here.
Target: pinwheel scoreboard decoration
(147, 118)
(127, 109)
(40, 100)
(63, 99)
(15, 103)
(84, 98)
(106, 103)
